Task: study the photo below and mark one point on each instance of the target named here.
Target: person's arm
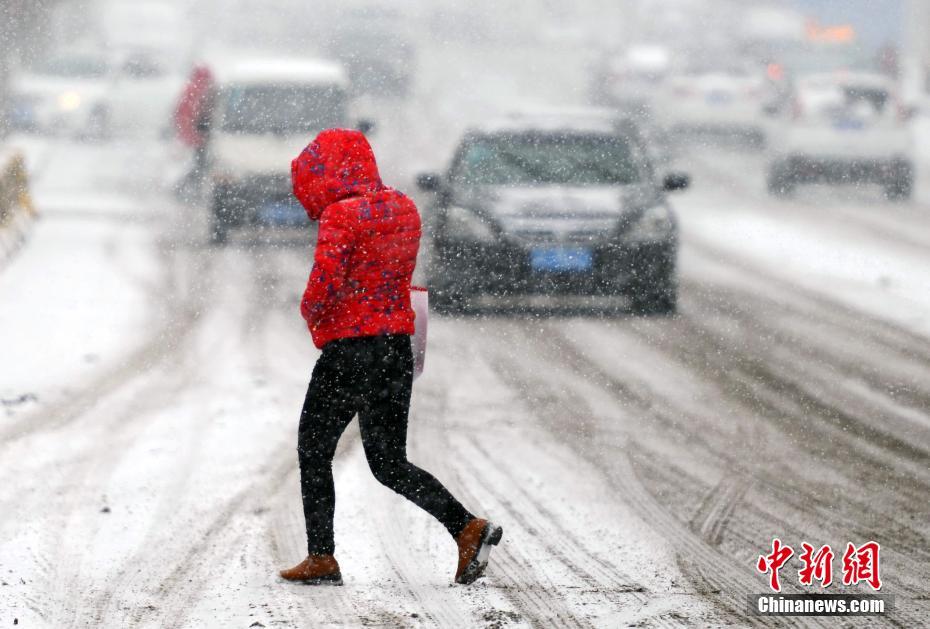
(335, 241)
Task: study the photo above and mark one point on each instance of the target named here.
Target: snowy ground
(151, 386)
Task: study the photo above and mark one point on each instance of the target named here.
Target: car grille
(572, 230)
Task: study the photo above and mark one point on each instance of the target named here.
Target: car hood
(560, 212)
(248, 154)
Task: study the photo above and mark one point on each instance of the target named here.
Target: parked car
(265, 111)
(65, 94)
(843, 128)
(556, 203)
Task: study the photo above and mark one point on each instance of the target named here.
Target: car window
(568, 159)
(282, 109)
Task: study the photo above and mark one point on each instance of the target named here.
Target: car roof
(282, 70)
(572, 120)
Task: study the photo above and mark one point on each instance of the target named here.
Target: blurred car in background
(143, 92)
(631, 80)
(65, 94)
(843, 128)
(557, 203)
(717, 99)
(264, 113)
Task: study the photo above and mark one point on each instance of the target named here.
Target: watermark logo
(860, 565)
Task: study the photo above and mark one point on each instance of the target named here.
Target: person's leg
(328, 408)
(383, 425)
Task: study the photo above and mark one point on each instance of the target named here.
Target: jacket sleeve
(335, 241)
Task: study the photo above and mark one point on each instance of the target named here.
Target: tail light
(684, 91)
(797, 109)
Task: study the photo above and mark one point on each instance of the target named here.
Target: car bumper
(852, 170)
(506, 269)
(258, 202)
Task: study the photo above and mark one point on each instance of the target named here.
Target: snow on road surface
(638, 466)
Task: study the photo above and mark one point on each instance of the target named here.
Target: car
(265, 111)
(719, 99)
(65, 94)
(631, 80)
(143, 94)
(554, 203)
(843, 128)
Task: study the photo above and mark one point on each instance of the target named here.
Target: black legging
(371, 376)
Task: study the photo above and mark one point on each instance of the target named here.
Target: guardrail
(14, 190)
(16, 207)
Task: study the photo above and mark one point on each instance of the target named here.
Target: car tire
(219, 222)
(656, 294)
(901, 185)
(447, 301)
(661, 301)
(781, 182)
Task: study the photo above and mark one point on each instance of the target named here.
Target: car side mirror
(366, 126)
(674, 182)
(429, 182)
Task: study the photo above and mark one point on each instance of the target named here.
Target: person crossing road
(357, 308)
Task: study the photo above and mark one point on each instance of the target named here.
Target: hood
(337, 165)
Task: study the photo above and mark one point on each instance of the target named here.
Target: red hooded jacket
(367, 244)
(193, 105)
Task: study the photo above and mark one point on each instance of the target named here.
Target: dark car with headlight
(558, 204)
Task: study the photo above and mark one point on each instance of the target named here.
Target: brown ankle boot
(315, 570)
(475, 543)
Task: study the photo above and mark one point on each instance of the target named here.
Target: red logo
(774, 561)
(817, 566)
(860, 564)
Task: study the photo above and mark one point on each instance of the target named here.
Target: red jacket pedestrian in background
(357, 307)
(194, 107)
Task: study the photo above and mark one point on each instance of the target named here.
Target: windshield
(74, 67)
(571, 160)
(283, 109)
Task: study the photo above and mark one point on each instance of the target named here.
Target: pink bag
(419, 301)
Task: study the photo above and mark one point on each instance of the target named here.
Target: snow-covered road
(151, 386)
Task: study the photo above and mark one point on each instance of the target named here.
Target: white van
(265, 112)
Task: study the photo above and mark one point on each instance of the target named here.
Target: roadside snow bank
(79, 296)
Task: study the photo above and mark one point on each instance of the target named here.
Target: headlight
(69, 101)
(463, 224)
(654, 224)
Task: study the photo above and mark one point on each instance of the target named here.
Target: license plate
(846, 124)
(561, 259)
(719, 98)
(283, 213)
